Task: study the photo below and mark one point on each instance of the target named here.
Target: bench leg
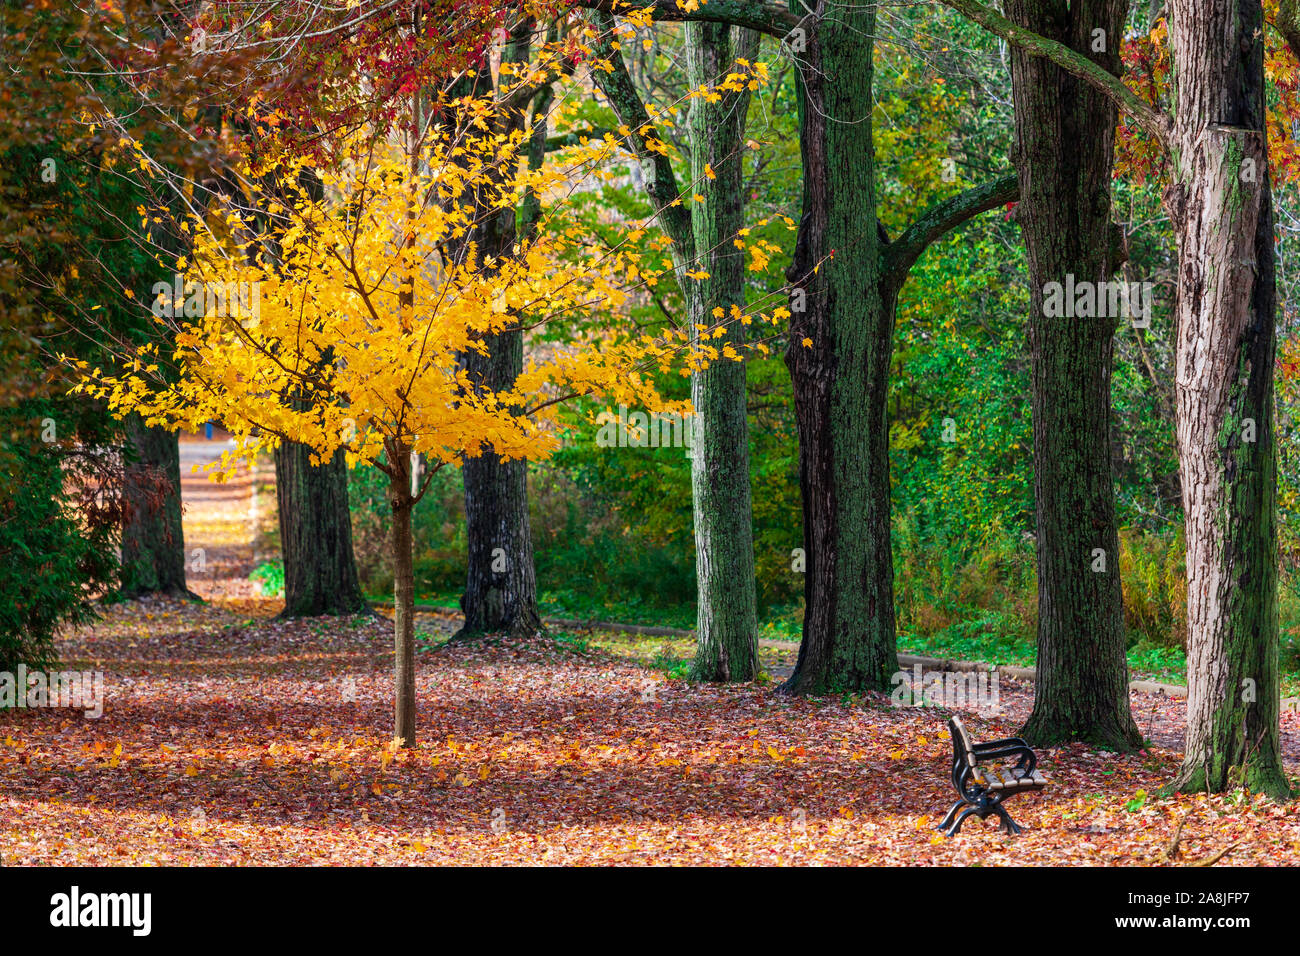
(1008, 824)
(947, 821)
(956, 827)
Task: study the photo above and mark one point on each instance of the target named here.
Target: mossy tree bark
(320, 570)
(1222, 206)
(727, 623)
(1065, 132)
(153, 541)
(841, 335)
(846, 276)
(703, 235)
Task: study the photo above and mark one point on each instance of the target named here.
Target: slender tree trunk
(703, 236)
(153, 541)
(1065, 153)
(320, 571)
(1221, 204)
(841, 311)
(401, 503)
(727, 629)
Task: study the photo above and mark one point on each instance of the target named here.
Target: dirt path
(224, 520)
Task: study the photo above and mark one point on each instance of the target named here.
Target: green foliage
(56, 547)
(672, 664)
(69, 265)
(1137, 803)
(572, 643)
(1153, 572)
(269, 578)
(438, 530)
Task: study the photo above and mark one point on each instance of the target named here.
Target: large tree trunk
(840, 377)
(727, 629)
(501, 583)
(1065, 151)
(153, 542)
(320, 571)
(401, 503)
(501, 580)
(1221, 204)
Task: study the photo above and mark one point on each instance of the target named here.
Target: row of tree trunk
(845, 282)
(320, 572)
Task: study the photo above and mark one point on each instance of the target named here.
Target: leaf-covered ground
(232, 738)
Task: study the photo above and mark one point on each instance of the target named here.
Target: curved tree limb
(660, 180)
(901, 254)
(1152, 120)
(774, 19)
(1288, 24)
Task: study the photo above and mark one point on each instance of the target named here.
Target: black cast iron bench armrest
(999, 744)
(1028, 759)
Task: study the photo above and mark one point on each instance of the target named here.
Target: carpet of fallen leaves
(231, 737)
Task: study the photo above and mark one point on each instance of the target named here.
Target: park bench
(984, 786)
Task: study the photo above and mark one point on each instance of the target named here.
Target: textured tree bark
(501, 580)
(702, 241)
(153, 541)
(401, 503)
(840, 377)
(320, 571)
(501, 583)
(727, 623)
(1221, 204)
(1064, 156)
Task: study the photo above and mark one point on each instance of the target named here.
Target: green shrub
(1152, 570)
(269, 578)
(57, 550)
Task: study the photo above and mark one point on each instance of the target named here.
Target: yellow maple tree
(351, 333)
